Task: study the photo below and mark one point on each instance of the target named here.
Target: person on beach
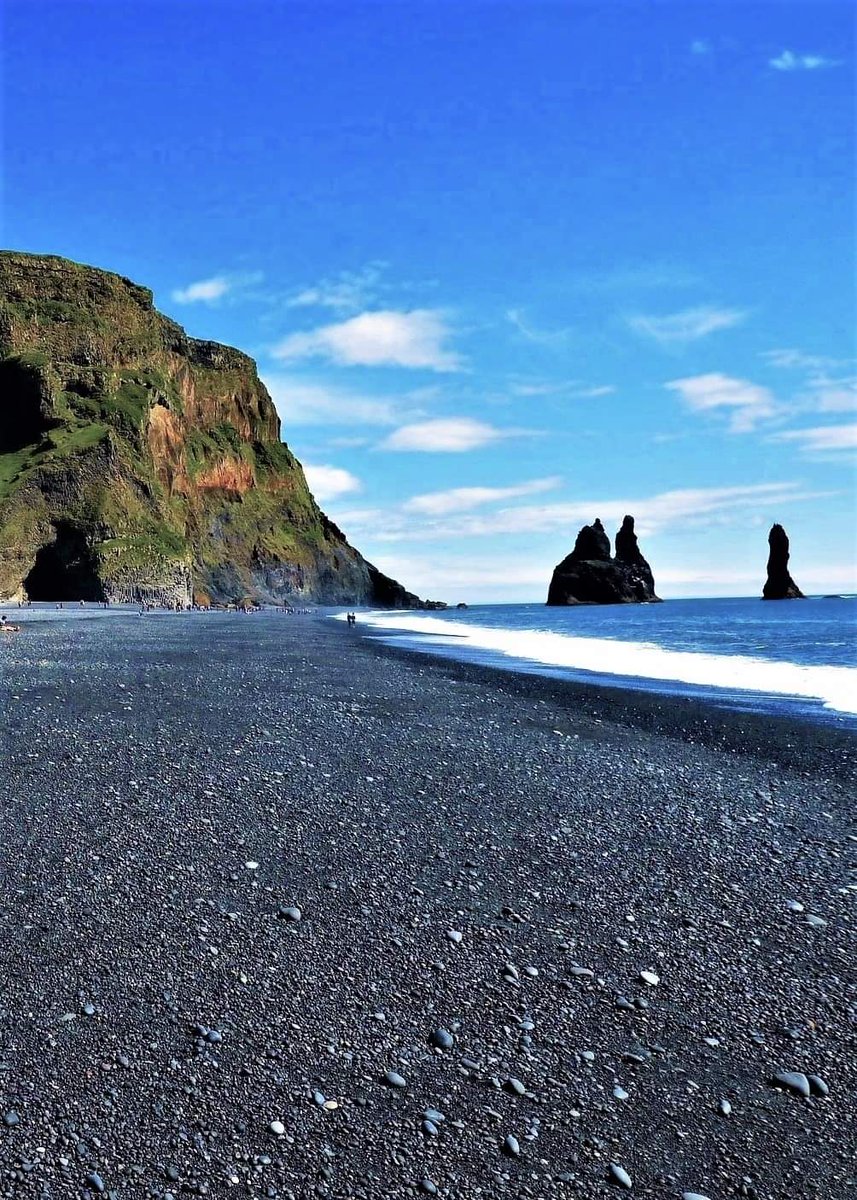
(6, 625)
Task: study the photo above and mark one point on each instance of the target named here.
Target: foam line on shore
(834, 687)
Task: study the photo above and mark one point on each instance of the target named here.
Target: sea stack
(779, 585)
(590, 576)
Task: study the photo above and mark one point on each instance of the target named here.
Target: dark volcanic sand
(392, 799)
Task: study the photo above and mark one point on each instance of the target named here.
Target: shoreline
(235, 853)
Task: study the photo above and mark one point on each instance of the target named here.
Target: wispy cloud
(700, 46)
(374, 339)
(327, 482)
(684, 508)
(532, 333)
(789, 61)
(829, 384)
(687, 326)
(453, 435)
(209, 291)
(349, 291)
(823, 439)
(747, 403)
(302, 402)
(204, 291)
(464, 499)
(570, 389)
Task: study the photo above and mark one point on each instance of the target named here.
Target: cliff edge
(137, 463)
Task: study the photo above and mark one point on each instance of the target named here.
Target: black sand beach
(470, 853)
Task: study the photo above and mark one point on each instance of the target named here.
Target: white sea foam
(835, 687)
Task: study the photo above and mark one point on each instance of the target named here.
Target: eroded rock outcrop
(779, 585)
(590, 576)
(137, 463)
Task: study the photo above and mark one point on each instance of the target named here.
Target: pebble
(11, 1119)
(442, 1039)
(620, 1093)
(792, 1081)
(724, 1108)
(650, 978)
(434, 1115)
(455, 936)
(817, 1086)
(277, 1127)
(620, 1176)
(693, 1196)
(511, 1146)
(94, 1181)
(430, 1129)
(428, 1186)
(515, 1086)
(815, 922)
(394, 1079)
(291, 913)
(794, 906)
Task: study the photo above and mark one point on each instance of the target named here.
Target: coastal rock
(779, 585)
(590, 576)
(138, 464)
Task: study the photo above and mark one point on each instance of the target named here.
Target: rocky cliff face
(139, 463)
(590, 576)
(779, 585)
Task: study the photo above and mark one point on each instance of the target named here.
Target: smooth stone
(620, 1093)
(620, 1176)
(794, 906)
(291, 913)
(581, 972)
(434, 1115)
(394, 1079)
(725, 1108)
(693, 1196)
(793, 1081)
(94, 1181)
(454, 936)
(515, 1086)
(511, 1146)
(277, 1127)
(11, 1119)
(430, 1129)
(817, 1086)
(428, 1186)
(214, 1036)
(320, 1099)
(442, 1039)
(650, 978)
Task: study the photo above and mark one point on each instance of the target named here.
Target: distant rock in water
(779, 585)
(590, 576)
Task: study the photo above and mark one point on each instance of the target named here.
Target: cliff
(779, 585)
(137, 463)
(590, 576)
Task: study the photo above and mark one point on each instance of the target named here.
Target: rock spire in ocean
(779, 585)
(590, 576)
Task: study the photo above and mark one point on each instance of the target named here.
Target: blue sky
(505, 267)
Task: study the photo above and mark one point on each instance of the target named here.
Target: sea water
(796, 657)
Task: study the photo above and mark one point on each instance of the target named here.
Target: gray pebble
(792, 1081)
(620, 1176)
(394, 1079)
(442, 1039)
(511, 1146)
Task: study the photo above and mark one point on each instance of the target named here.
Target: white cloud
(349, 291)
(700, 46)
(463, 499)
(823, 439)
(373, 339)
(300, 402)
(205, 291)
(688, 325)
(832, 395)
(326, 482)
(542, 337)
(748, 402)
(789, 61)
(682, 508)
(452, 435)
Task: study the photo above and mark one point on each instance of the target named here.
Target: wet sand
(179, 789)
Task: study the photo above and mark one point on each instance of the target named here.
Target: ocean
(790, 657)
